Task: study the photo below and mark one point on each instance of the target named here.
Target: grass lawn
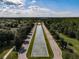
(48, 46)
(13, 55)
(74, 42)
(69, 55)
(2, 53)
(75, 47)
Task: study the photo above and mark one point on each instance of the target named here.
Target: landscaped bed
(49, 50)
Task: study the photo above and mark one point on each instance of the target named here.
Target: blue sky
(39, 8)
(59, 4)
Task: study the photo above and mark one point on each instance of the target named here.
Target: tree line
(68, 27)
(13, 32)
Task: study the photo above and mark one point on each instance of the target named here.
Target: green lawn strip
(3, 53)
(39, 58)
(48, 46)
(30, 47)
(13, 55)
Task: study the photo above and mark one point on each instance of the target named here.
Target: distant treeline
(37, 18)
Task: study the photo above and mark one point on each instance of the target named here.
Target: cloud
(33, 1)
(15, 8)
(16, 2)
(34, 11)
(11, 3)
(10, 7)
(1, 0)
(6, 5)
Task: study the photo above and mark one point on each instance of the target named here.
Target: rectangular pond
(39, 47)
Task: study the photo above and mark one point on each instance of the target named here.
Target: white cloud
(18, 10)
(34, 11)
(33, 1)
(11, 8)
(13, 1)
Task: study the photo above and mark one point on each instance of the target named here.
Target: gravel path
(56, 50)
(25, 46)
(39, 47)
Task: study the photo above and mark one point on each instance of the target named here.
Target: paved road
(25, 46)
(39, 47)
(56, 50)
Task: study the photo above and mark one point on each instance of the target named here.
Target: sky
(39, 8)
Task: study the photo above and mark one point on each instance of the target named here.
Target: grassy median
(30, 47)
(48, 46)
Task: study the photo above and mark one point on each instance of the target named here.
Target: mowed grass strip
(31, 45)
(48, 46)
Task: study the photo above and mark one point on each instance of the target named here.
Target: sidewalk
(23, 51)
(55, 48)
